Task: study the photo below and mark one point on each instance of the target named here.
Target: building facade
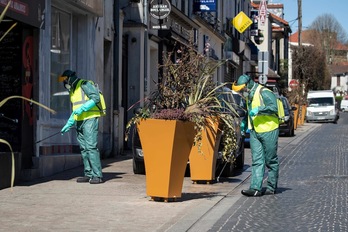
(50, 37)
(117, 44)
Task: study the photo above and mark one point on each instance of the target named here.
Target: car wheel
(138, 167)
(138, 164)
(292, 131)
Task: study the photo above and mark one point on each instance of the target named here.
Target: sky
(313, 8)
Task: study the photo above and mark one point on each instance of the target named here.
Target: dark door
(10, 85)
(17, 79)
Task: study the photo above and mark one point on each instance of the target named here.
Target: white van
(321, 106)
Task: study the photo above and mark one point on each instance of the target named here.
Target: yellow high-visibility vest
(78, 98)
(262, 123)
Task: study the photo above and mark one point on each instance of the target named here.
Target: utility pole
(299, 7)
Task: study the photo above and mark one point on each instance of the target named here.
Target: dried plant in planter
(186, 91)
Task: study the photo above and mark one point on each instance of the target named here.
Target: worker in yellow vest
(84, 97)
(263, 123)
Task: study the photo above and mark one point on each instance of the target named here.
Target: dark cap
(66, 74)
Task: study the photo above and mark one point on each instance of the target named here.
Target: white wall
(343, 83)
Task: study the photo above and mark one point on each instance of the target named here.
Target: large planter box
(6, 168)
(203, 163)
(166, 145)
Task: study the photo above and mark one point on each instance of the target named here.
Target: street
(311, 197)
(312, 193)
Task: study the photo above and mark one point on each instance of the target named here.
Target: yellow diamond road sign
(241, 22)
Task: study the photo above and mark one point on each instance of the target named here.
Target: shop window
(60, 61)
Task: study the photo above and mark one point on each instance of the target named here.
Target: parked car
(223, 168)
(247, 138)
(322, 107)
(288, 127)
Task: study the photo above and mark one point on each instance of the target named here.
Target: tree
(326, 33)
(310, 68)
(328, 26)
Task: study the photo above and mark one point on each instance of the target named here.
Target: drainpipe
(146, 78)
(115, 72)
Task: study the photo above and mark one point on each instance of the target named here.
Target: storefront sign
(204, 5)
(162, 26)
(27, 11)
(160, 9)
(95, 7)
(241, 22)
(262, 12)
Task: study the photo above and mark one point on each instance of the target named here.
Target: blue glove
(70, 123)
(243, 127)
(254, 112)
(85, 107)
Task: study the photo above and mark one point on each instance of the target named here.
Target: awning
(30, 12)
(95, 7)
(272, 74)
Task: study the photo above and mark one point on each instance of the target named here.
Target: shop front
(19, 77)
(18, 58)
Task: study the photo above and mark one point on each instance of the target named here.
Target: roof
(276, 18)
(339, 69)
(340, 47)
(269, 5)
(307, 37)
(282, 24)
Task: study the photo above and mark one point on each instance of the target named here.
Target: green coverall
(264, 145)
(87, 136)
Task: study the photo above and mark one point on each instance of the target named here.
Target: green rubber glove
(254, 112)
(243, 127)
(85, 107)
(70, 123)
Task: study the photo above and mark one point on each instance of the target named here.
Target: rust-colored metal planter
(166, 145)
(203, 163)
(296, 116)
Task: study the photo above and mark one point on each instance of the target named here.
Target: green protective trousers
(264, 148)
(87, 136)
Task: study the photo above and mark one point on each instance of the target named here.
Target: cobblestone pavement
(313, 187)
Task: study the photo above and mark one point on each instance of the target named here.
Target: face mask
(66, 85)
(245, 94)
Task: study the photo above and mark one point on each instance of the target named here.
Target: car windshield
(239, 100)
(286, 106)
(323, 101)
(225, 97)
